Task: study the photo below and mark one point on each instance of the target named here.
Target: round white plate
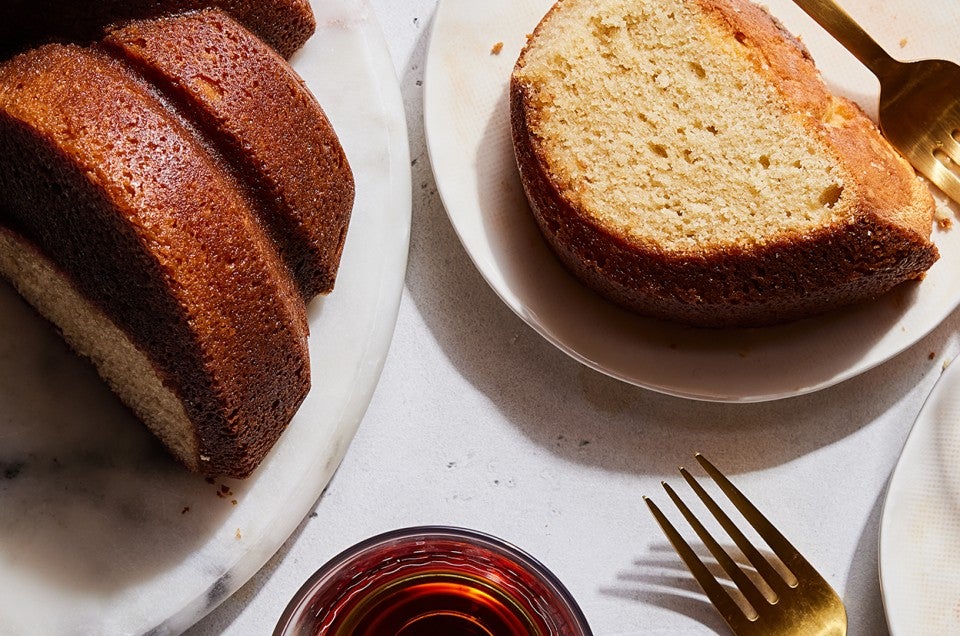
(468, 135)
(920, 525)
(100, 531)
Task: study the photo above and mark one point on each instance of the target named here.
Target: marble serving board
(100, 531)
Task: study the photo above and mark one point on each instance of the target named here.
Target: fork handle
(841, 26)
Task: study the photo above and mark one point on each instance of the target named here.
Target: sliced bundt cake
(122, 229)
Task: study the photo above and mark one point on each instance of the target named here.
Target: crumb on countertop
(943, 217)
(903, 42)
(496, 48)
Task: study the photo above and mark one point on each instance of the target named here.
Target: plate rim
(946, 380)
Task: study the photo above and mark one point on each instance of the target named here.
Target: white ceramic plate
(467, 126)
(920, 526)
(100, 532)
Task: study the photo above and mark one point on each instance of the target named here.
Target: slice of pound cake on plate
(684, 159)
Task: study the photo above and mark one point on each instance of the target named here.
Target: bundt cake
(276, 136)
(128, 207)
(685, 159)
(283, 24)
(130, 217)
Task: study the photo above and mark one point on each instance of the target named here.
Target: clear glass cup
(431, 581)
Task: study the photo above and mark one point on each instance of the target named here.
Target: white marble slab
(100, 532)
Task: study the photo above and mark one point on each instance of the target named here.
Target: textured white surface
(100, 531)
(478, 421)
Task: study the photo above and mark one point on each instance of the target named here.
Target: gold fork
(805, 604)
(919, 101)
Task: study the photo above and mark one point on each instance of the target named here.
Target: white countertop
(479, 422)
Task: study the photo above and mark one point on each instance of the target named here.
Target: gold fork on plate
(803, 603)
(919, 101)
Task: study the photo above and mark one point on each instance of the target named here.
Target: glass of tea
(433, 581)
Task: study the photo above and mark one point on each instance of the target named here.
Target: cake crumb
(238, 535)
(943, 218)
(903, 42)
(185, 510)
(233, 501)
(933, 354)
(496, 48)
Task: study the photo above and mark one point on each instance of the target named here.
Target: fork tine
(950, 147)
(730, 611)
(753, 595)
(767, 531)
(763, 567)
(942, 176)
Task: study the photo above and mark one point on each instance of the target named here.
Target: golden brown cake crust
(125, 201)
(277, 136)
(283, 24)
(880, 243)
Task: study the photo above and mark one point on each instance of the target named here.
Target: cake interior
(91, 334)
(658, 125)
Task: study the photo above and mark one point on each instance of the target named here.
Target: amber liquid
(434, 584)
(439, 604)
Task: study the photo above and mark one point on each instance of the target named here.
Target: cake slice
(122, 229)
(262, 118)
(283, 24)
(684, 159)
